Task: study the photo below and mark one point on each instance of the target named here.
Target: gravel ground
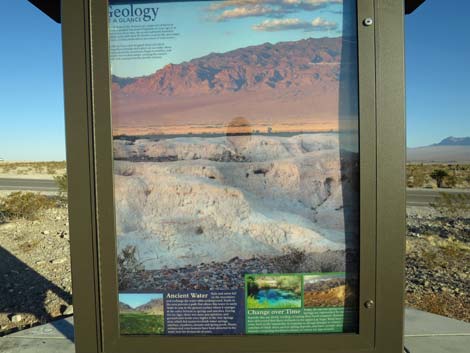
(438, 264)
(34, 270)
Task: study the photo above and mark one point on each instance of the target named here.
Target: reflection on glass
(236, 166)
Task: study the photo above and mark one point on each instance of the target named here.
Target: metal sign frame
(382, 200)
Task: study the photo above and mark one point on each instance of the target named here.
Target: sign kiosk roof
(52, 7)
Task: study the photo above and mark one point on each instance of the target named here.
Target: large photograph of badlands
(235, 163)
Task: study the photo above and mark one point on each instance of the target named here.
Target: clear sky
(438, 71)
(31, 90)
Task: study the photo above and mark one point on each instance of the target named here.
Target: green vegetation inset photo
(141, 313)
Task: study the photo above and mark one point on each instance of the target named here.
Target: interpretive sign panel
(236, 166)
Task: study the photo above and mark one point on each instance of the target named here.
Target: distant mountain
(454, 141)
(286, 65)
(449, 150)
(155, 306)
(121, 82)
(123, 307)
(275, 83)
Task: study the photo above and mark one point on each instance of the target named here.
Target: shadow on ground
(18, 279)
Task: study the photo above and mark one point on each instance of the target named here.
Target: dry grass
(25, 205)
(24, 168)
(440, 250)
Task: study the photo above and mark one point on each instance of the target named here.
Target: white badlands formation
(197, 200)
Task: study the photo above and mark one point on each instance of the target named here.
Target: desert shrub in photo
(292, 261)
(298, 261)
(127, 265)
(24, 205)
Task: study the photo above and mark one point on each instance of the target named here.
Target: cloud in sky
(233, 9)
(307, 4)
(318, 24)
(245, 11)
(321, 24)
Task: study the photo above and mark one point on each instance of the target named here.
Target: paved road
(423, 197)
(415, 197)
(28, 185)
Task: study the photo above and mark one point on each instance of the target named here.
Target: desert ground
(438, 262)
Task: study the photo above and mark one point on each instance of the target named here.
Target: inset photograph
(327, 290)
(141, 314)
(273, 291)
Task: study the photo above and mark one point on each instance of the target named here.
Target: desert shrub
(415, 176)
(439, 175)
(128, 266)
(62, 184)
(24, 205)
(451, 181)
(454, 205)
(51, 170)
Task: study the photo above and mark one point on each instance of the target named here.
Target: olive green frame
(91, 210)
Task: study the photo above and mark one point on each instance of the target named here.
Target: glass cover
(236, 166)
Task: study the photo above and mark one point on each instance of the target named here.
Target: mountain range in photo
(288, 86)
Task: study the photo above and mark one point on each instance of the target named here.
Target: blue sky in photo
(136, 299)
(204, 30)
(31, 89)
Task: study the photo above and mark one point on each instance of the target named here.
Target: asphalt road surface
(415, 197)
(28, 185)
(424, 197)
